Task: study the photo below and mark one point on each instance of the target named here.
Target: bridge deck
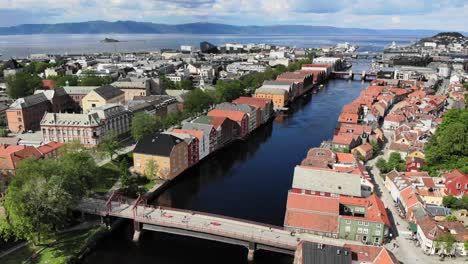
(220, 226)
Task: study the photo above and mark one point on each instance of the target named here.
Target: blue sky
(394, 14)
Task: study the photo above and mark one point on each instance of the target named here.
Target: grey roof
(72, 120)
(435, 210)
(419, 213)
(109, 110)
(277, 83)
(50, 94)
(323, 180)
(236, 107)
(180, 95)
(79, 89)
(29, 101)
(270, 91)
(198, 126)
(314, 253)
(131, 84)
(108, 92)
(157, 144)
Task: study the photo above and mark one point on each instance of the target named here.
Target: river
(248, 180)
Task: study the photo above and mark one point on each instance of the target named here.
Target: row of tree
(25, 83)
(453, 202)
(448, 148)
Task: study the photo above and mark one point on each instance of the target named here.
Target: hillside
(132, 27)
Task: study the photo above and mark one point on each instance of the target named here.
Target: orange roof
(348, 118)
(231, 114)
(196, 133)
(366, 147)
(345, 158)
(375, 209)
(10, 156)
(364, 253)
(313, 203)
(49, 147)
(218, 121)
(386, 257)
(253, 101)
(395, 118)
(311, 221)
(343, 139)
(409, 197)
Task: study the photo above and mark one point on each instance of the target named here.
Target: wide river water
(23, 45)
(248, 180)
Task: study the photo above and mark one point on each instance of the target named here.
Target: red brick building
(240, 117)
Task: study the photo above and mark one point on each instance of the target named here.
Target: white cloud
(429, 14)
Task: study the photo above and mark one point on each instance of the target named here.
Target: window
(377, 240)
(458, 186)
(359, 230)
(466, 186)
(378, 225)
(378, 232)
(360, 222)
(365, 231)
(366, 223)
(348, 222)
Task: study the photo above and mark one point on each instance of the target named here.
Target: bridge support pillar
(137, 231)
(251, 251)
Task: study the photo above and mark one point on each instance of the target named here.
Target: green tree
(171, 119)
(144, 124)
(61, 81)
(22, 84)
(184, 85)
(124, 173)
(448, 148)
(446, 242)
(151, 169)
(110, 144)
(166, 83)
(465, 245)
(450, 218)
(42, 194)
(37, 67)
(375, 146)
(382, 165)
(197, 101)
(3, 132)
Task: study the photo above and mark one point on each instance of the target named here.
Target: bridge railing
(217, 231)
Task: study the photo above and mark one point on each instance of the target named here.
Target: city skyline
(391, 14)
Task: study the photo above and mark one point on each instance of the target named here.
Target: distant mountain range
(132, 27)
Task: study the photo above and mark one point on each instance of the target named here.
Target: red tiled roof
(253, 101)
(364, 253)
(218, 121)
(348, 118)
(313, 203)
(343, 139)
(454, 174)
(375, 209)
(395, 118)
(49, 147)
(409, 197)
(311, 221)
(196, 133)
(345, 158)
(231, 114)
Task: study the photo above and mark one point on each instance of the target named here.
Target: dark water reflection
(248, 180)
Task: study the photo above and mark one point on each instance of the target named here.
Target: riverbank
(69, 247)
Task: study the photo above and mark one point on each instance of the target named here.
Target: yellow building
(106, 94)
(278, 96)
(161, 155)
(417, 154)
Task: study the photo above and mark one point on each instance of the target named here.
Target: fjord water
(248, 180)
(23, 45)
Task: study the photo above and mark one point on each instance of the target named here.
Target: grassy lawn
(106, 178)
(62, 251)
